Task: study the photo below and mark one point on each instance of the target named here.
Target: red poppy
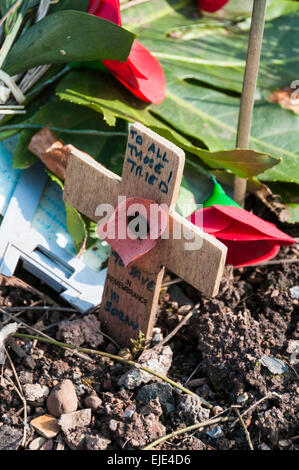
(211, 5)
(141, 73)
(248, 238)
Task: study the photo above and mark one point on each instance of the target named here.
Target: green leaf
(102, 93)
(76, 226)
(70, 116)
(212, 50)
(74, 220)
(290, 198)
(68, 36)
(79, 5)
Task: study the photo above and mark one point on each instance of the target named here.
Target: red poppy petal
(106, 9)
(246, 253)
(211, 5)
(242, 232)
(149, 80)
(210, 220)
(250, 220)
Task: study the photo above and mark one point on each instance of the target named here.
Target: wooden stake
(249, 87)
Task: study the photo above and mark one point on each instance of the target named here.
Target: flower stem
(249, 87)
(184, 430)
(115, 358)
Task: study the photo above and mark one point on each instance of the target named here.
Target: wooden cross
(152, 169)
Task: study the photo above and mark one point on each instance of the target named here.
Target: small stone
(216, 432)
(46, 426)
(190, 410)
(60, 442)
(48, 445)
(294, 292)
(93, 402)
(76, 439)
(153, 407)
(284, 443)
(25, 377)
(39, 410)
(293, 349)
(158, 359)
(216, 410)
(275, 366)
(37, 443)
(10, 437)
(30, 362)
(162, 391)
(96, 442)
(77, 419)
(84, 330)
(242, 398)
(35, 393)
(62, 399)
(264, 446)
(113, 425)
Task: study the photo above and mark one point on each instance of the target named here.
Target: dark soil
(253, 315)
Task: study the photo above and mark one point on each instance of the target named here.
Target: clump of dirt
(217, 355)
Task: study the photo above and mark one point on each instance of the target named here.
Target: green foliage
(138, 344)
(111, 99)
(68, 36)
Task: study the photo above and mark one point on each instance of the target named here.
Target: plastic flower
(249, 238)
(141, 73)
(211, 5)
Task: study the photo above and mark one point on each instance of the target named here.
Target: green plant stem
(249, 87)
(115, 358)
(61, 129)
(184, 430)
(11, 36)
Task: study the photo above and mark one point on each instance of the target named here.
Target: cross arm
(88, 183)
(196, 257)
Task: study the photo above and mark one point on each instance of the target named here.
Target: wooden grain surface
(153, 169)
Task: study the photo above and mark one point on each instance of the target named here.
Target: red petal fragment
(118, 234)
(106, 9)
(149, 80)
(251, 252)
(211, 221)
(250, 220)
(211, 5)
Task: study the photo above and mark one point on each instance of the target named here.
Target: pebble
(62, 399)
(264, 446)
(242, 398)
(216, 432)
(77, 419)
(93, 402)
(48, 445)
(35, 393)
(84, 330)
(294, 292)
(26, 377)
(159, 360)
(96, 442)
(275, 366)
(10, 437)
(293, 349)
(190, 410)
(37, 443)
(46, 426)
(162, 391)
